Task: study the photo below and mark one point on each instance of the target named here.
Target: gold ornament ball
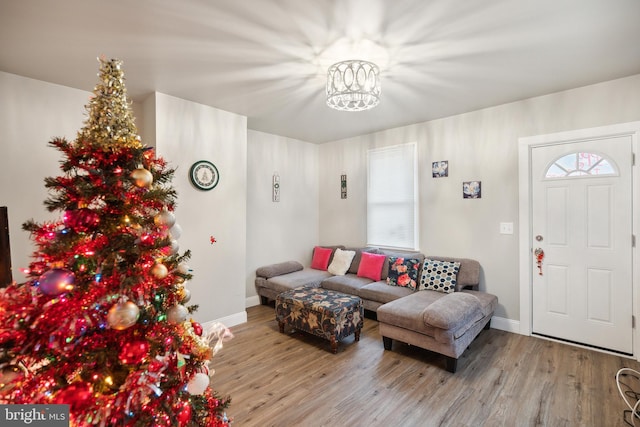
(142, 177)
(187, 295)
(9, 376)
(123, 315)
(177, 314)
(159, 271)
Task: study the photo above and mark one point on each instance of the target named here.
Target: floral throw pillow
(403, 272)
(439, 276)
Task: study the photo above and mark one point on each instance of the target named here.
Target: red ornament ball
(134, 352)
(56, 281)
(183, 413)
(77, 395)
(81, 219)
(197, 328)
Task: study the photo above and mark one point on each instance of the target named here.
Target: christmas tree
(100, 324)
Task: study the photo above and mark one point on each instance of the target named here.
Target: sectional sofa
(431, 302)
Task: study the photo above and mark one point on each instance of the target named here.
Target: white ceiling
(267, 59)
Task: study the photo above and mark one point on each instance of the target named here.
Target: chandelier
(353, 85)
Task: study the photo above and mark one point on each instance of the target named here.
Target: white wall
(252, 231)
(288, 229)
(32, 113)
(480, 145)
(186, 132)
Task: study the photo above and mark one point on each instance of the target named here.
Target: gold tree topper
(110, 121)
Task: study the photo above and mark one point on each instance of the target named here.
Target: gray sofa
(445, 323)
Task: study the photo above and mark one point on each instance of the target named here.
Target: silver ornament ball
(123, 315)
(165, 219)
(177, 314)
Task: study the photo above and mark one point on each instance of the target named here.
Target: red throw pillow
(321, 257)
(371, 266)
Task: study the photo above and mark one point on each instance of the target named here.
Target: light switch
(506, 228)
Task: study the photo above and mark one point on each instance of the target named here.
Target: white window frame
(377, 218)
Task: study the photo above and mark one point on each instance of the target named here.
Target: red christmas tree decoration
(101, 323)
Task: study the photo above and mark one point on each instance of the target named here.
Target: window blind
(391, 196)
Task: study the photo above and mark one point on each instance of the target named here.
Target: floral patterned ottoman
(327, 314)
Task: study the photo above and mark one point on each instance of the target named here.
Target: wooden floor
(503, 379)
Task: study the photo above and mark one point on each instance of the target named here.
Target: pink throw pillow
(371, 266)
(321, 257)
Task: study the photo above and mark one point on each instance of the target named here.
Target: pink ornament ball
(56, 281)
(134, 352)
(172, 248)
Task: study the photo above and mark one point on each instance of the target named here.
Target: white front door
(581, 210)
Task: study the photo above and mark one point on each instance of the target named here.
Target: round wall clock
(204, 175)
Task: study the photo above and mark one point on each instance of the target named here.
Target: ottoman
(328, 314)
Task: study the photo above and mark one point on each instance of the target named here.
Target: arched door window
(580, 164)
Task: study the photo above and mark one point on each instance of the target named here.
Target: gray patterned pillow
(439, 276)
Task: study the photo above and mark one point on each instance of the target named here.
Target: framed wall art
(471, 190)
(440, 169)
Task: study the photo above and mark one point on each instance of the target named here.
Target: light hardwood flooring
(503, 379)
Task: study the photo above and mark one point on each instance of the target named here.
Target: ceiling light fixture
(353, 85)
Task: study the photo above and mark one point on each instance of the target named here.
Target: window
(391, 196)
(580, 164)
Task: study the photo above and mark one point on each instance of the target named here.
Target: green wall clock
(204, 175)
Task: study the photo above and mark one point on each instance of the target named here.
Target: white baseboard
(251, 301)
(228, 321)
(504, 324)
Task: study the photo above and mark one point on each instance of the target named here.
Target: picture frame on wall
(440, 169)
(472, 190)
(343, 186)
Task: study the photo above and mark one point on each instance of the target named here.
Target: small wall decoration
(204, 175)
(343, 186)
(471, 190)
(440, 169)
(276, 187)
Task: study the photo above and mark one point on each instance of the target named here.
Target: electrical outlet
(506, 228)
